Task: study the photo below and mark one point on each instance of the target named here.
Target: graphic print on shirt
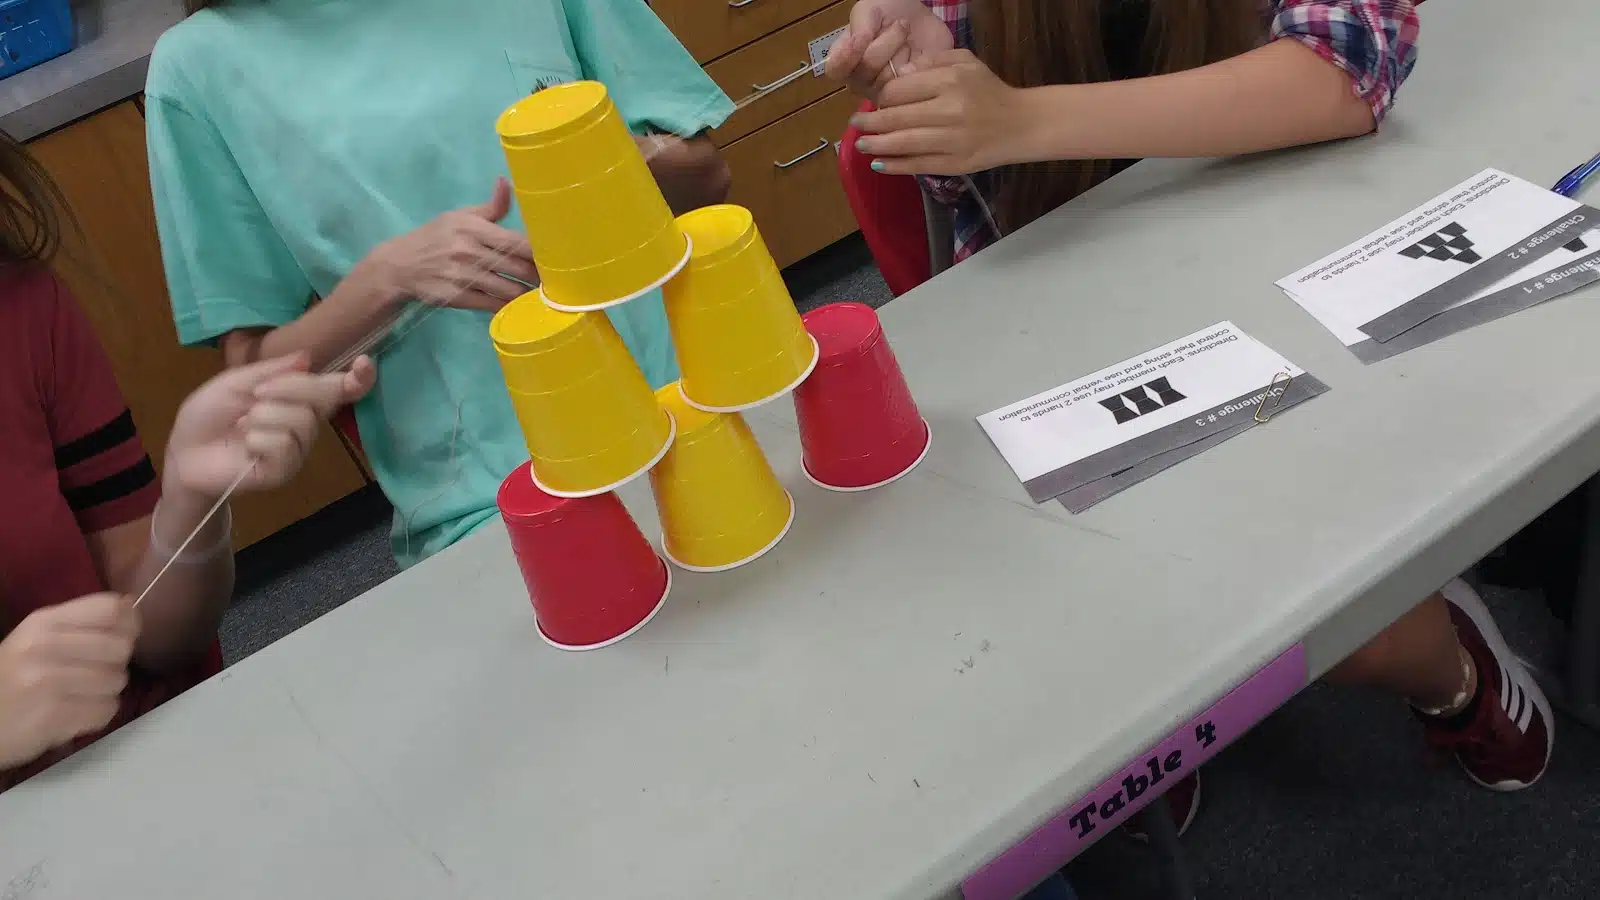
(1153, 395)
(1448, 244)
(548, 81)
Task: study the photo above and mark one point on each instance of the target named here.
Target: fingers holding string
(883, 56)
(279, 402)
(507, 251)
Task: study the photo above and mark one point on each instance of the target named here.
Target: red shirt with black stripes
(71, 465)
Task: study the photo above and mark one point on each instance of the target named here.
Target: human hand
(263, 417)
(462, 259)
(62, 671)
(884, 37)
(946, 114)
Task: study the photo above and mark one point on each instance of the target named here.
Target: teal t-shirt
(288, 138)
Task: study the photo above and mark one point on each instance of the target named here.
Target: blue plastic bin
(32, 31)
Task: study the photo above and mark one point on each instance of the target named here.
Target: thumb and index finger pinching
(246, 379)
(324, 393)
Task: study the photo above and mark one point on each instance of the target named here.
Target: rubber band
(186, 555)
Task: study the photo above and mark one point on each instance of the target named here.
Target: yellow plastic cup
(588, 415)
(601, 232)
(739, 338)
(720, 504)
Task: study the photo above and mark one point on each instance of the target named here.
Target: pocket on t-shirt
(532, 72)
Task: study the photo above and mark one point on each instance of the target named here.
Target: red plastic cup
(591, 574)
(859, 426)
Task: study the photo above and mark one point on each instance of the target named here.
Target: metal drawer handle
(804, 156)
(739, 4)
(784, 81)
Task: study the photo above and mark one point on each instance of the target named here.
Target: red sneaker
(1506, 744)
(1184, 802)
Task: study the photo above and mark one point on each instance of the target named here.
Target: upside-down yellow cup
(601, 232)
(587, 413)
(720, 504)
(739, 338)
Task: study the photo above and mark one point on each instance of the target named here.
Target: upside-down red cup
(592, 576)
(859, 426)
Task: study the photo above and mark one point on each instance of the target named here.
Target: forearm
(691, 173)
(1279, 95)
(360, 305)
(181, 613)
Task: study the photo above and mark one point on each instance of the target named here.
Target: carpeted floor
(1330, 799)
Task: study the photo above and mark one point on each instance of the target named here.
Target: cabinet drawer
(746, 71)
(787, 174)
(710, 28)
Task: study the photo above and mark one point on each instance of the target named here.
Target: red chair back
(889, 210)
(344, 421)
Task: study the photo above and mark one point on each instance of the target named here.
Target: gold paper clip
(1268, 409)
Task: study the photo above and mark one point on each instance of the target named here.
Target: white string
(453, 465)
(409, 318)
(171, 560)
(391, 329)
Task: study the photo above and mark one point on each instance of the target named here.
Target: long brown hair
(32, 207)
(1030, 43)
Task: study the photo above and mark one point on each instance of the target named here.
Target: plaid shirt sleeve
(1374, 41)
(954, 14)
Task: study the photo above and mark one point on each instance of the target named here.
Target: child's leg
(1418, 657)
(1475, 699)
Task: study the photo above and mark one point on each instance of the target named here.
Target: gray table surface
(109, 65)
(809, 726)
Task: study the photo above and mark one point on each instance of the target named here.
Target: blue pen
(1571, 182)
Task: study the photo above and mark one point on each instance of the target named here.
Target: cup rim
(842, 489)
(749, 234)
(578, 648)
(782, 533)
(524, 473)
(677, 267)
(672, 435)
(552, 339)
(816, 357)
(525, 137)
(865, 345)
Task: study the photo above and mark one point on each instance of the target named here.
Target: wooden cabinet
(113, 266)
(787, 175)
(710, 28)
(782, 148)
(768, 61)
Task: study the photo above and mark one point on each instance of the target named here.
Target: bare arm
(951, 115)
(462, 258)
(1279, 95)
(691, 172)
(472, 263)
(181, 616)
(360, 304)
(249, 427)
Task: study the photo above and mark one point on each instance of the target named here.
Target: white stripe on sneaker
(1512, 702)
(1513, 671)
